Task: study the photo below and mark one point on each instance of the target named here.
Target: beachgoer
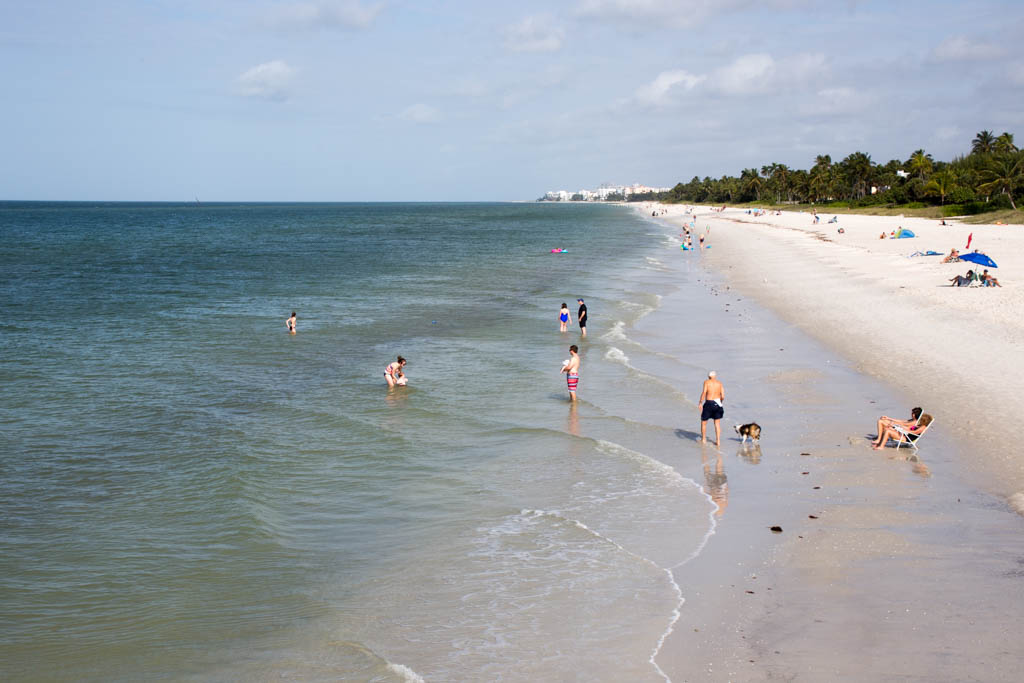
(713, 397)
(291, 323)
(963, 280)
(988, 280)
(954, 256)
(702, 241)
(885, 421)
(393, 371)
(914, 432)
(572, 371)
(581, 318)
(563, 317)
(400, 379)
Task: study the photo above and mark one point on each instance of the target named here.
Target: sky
(393, 100)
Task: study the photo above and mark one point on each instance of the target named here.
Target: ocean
(190, 492)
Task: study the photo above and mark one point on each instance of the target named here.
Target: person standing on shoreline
(572, 371)
(713, 398)
(581, 317)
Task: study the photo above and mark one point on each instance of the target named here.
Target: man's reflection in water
(715, 482)
(573, 423)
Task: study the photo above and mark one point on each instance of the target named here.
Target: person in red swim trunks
(572, 371)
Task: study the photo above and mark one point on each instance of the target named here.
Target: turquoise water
(190, 492)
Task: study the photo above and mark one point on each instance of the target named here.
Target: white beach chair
(905, 434)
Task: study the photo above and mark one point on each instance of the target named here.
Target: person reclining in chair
(885, 421)
(987, 280)
(954, 257)
(912, 433)
(963, 280)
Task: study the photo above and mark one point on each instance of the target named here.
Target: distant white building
(602, 193)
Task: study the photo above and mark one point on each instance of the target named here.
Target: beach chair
(909, 438)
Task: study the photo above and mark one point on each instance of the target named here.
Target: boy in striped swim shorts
(572, 371)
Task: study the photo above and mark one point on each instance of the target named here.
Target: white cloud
(961, 49)
(748, 74)
(268, 81)
(657, 92)
(673, 12)
(420, 113)
(762, 73)
(534, 34)
(329, 14)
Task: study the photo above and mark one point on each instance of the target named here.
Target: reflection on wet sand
(917, 466)
(751, 453)
(715, 481)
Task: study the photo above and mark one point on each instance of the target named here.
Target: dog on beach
(753, 430)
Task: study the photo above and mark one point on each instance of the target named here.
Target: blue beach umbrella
(980, 259)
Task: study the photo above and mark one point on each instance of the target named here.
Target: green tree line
(990, 177)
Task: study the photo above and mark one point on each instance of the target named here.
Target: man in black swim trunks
(713, 398)
(581, 317)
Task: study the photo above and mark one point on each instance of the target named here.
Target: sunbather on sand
(962, 280)
(891, 433)
(988, 280)
(953, 257)
(885, 421)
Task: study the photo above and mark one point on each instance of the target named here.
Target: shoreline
(878, 555)
(895, 318)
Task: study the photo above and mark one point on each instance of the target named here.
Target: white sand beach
(886, 570)
(958, 350)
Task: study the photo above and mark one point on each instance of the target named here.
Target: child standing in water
(563, 317)
(291, 323)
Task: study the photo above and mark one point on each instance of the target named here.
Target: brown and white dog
(753, 430)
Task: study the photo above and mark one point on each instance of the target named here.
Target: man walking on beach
(581, 317)
(713, 398)
(572, 371)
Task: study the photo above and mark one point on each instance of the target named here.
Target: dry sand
(959, 350)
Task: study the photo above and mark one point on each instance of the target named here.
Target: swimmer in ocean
(393, 371)
(291, 323)
(563, 317)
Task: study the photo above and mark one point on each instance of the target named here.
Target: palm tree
(984, 143)
(780, 174)
(1003, 175)
(941, 184)
(857, 168)
(920, 163)
(750, 180)
(1004, 144)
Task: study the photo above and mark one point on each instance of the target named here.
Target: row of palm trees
(994, 168)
